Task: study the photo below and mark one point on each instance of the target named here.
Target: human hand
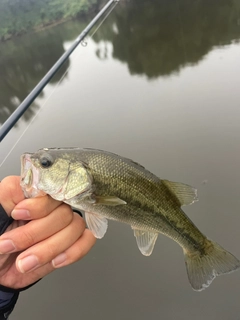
(45, 234)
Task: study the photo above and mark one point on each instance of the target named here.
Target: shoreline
(37, 29)
(48, 25)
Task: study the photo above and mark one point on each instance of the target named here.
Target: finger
(37, 255)
(36, 230)
(21, 280)
(77, 251)
(10, 193)
(34, 208)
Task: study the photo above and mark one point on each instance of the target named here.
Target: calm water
(158, 83)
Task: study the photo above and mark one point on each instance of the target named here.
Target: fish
(107, 186)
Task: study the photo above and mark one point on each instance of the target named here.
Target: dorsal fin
(185, 193)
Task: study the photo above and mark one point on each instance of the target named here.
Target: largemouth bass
(107, 186)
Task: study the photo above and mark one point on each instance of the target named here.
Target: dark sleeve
(8, 308)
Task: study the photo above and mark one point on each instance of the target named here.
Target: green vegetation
(21, 16)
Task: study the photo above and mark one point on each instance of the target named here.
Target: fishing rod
(16, 115)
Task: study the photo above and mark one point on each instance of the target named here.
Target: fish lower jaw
(33, 193)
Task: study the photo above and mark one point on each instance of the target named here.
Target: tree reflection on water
(154, 38)
(157, 38)
(23, 66)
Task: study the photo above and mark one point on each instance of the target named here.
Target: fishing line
(35, 116)
(94, 31)
(84, 41)
(53, 90)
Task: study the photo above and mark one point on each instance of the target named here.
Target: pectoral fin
(185, 193)
(109, 201)
(97, 224)
(145, 241)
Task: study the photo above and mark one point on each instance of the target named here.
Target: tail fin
(202, 268)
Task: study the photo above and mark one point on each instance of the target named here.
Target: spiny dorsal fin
(145, 241)
(185, 193)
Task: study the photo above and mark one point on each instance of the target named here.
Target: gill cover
(65, 180)
(78, 181)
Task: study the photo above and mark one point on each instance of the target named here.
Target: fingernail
(59, 260)
(28, 264)
(6, 246)
(18, 214)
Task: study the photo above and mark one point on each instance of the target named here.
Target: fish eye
(46, 161)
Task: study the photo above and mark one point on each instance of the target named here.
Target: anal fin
(145, 241)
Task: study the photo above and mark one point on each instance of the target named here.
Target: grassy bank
(21, 16)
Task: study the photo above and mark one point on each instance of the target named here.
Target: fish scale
(153, 201)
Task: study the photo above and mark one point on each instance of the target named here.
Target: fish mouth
(30, 178)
